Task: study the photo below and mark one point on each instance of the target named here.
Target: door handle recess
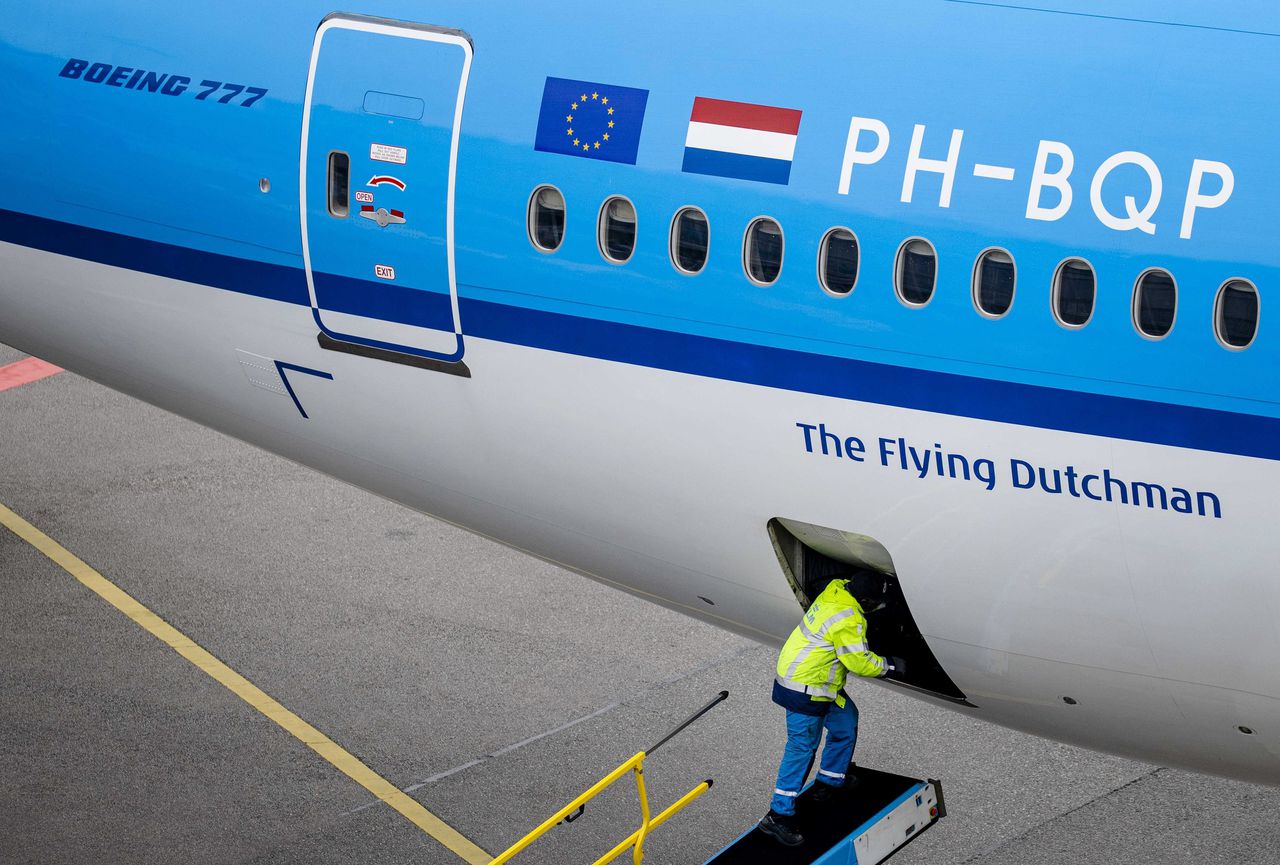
(339, 184)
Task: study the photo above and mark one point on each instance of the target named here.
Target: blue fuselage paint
(126, 176)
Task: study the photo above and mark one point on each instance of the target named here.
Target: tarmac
(489, 686)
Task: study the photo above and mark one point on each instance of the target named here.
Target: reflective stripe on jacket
(829, 643)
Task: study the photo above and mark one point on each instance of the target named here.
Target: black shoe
(781, 829)
(823, 792)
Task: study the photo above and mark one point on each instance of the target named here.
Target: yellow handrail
(675, 808)
(644, 812)
(595, 790)
(636, 840)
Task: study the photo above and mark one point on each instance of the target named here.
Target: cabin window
(690, 237)
(617, 230)
(546, 218)
(339, 184)
(1074, 290)
(762, 251)
(915, 273)
(994, 277)
(1155, 303)
(838, 261)
(1235, 314)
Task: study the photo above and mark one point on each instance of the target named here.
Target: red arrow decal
(385, 179)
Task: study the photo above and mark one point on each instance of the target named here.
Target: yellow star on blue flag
(591, 120)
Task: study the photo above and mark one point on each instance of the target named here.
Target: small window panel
(690, 239)
(1155, 304)
(1235, 314)
(1074, 290)
(339, 184)
(994, 278)
(546, 218)
(915, 273)
(617, 230)
(762, 251)
(838, 261)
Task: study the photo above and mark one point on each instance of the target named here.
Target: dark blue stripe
(714, 162)
(272, 281)
(381, 300)
(386, 301)
(945, 393)
(865, 381)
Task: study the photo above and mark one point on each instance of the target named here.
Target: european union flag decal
(592, 120)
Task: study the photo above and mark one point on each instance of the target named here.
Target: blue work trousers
(803, 733)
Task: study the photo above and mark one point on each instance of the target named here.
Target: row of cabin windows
(915, 269)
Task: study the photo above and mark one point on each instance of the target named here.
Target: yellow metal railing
(635, 766)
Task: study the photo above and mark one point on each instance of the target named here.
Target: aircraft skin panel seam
(934, 638)
(1047, 10)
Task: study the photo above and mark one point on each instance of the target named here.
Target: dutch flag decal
(738, 139)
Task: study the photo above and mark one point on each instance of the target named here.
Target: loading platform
(863, 824)
(875, 815)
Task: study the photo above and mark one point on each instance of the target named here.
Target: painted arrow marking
(385, 180)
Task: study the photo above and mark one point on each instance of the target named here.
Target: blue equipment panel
(380, 150)
(861, 825)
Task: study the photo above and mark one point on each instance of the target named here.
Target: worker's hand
(896, 668)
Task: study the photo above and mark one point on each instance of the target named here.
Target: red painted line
(24, 372)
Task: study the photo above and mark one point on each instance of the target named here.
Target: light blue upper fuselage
(184, 172)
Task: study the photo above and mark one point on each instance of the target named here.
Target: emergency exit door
(379, 151)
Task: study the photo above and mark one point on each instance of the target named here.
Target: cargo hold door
(379, 151)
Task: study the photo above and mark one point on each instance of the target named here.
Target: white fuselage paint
(664, 488)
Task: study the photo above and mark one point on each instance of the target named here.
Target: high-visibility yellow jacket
(830, 643)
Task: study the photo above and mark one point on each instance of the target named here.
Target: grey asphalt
(428, 653)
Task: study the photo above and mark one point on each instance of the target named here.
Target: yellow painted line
(342, 759)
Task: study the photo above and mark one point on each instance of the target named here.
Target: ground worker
(830, 642)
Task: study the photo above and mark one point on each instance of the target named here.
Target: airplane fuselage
(1078, 507)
